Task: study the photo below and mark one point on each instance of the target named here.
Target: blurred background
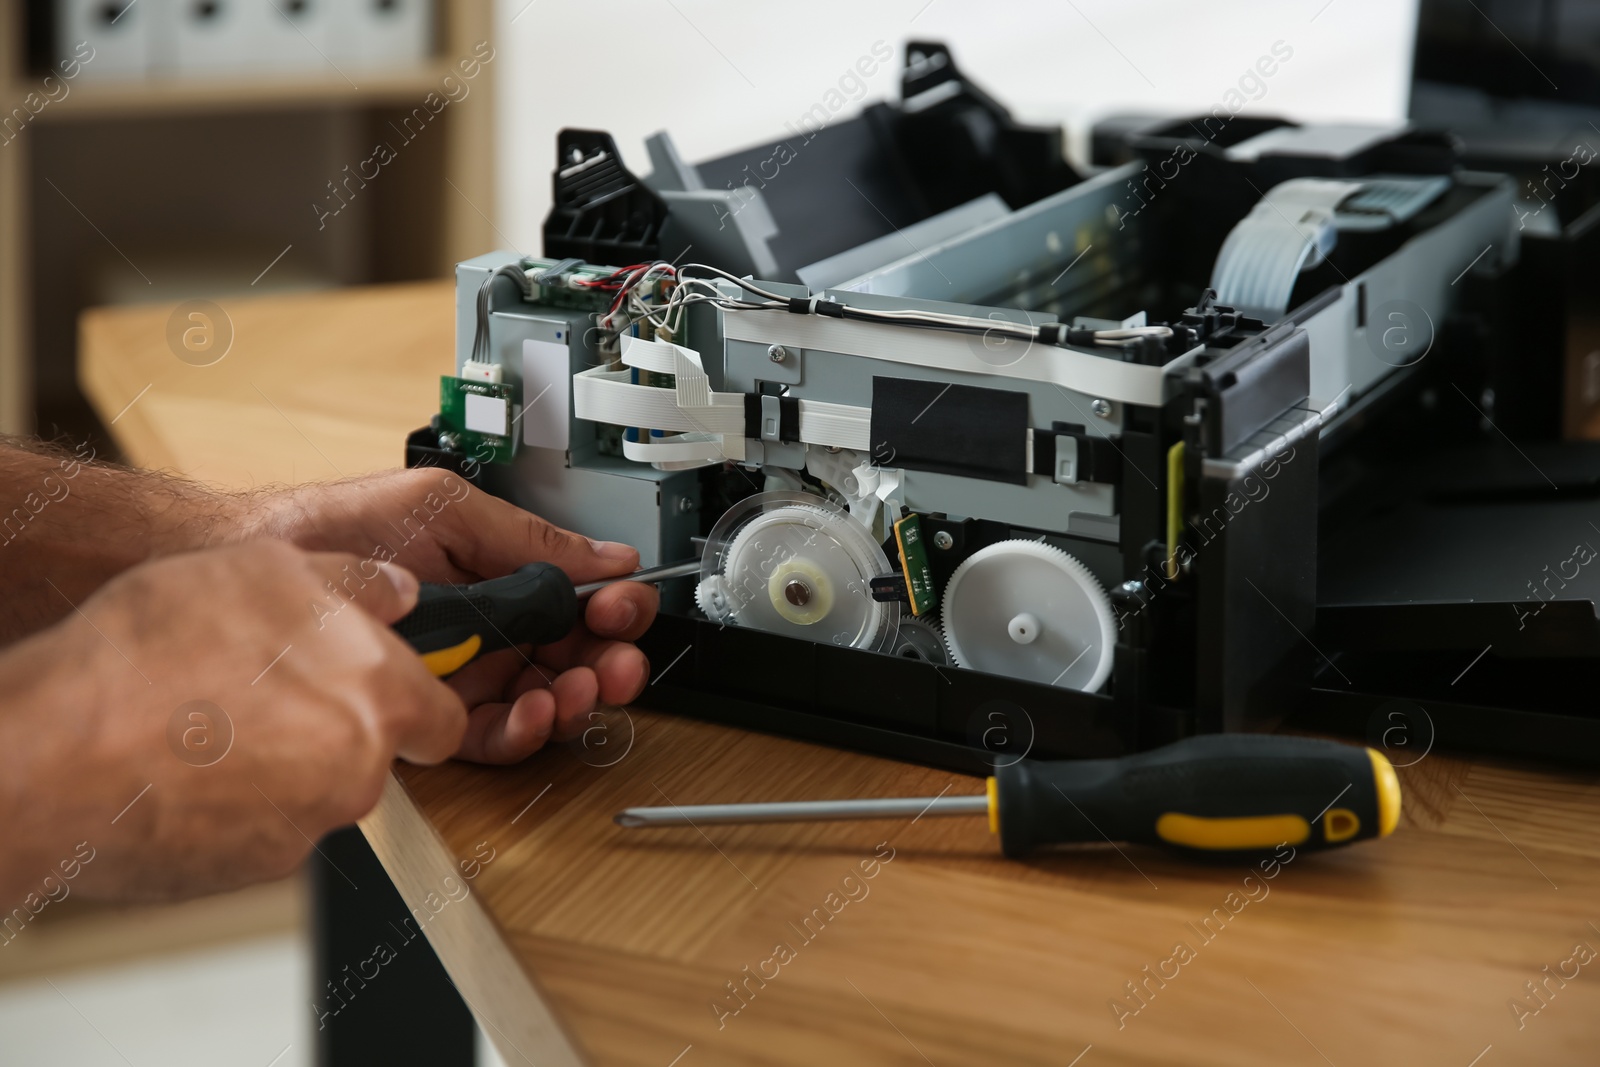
(156, 151)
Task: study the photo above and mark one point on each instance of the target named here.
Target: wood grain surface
(311, 387)
(1468, 937)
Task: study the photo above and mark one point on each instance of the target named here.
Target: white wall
(722, 75)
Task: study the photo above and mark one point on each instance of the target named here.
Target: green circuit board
(496, 405)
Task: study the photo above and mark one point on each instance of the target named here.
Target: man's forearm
(69, 523)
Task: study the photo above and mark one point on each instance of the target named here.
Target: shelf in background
(148, 166)
(286, 91)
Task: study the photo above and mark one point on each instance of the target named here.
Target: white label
(487, 414)
(546, 394)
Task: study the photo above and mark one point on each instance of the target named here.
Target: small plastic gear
(712, 598)
(1028, 610)
(921, 639)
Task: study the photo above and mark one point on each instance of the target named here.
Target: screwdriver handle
(1211, 792)
(454, 624)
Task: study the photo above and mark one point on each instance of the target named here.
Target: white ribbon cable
(684, 451)
(654, 356)
(663, 357)
(609, 396)
(1266, 251)
(835, 425)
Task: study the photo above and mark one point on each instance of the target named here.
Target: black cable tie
(1050, 333)
(1080, 337)
(831, 308)
(800, 305)
(752, 416)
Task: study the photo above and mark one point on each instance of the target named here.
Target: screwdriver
(536, 605)
(1209, 793)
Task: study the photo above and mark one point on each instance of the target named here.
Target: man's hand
(441, 529)
(317, 696)
(82, 523)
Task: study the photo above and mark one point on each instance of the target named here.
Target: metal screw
(685, 505)
(797, 593)
(1101, 408)
(777, 353)
(942, 539)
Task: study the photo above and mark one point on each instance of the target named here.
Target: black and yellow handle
(454, 624)
(1213, 793)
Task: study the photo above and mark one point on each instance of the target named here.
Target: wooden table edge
(503, 996)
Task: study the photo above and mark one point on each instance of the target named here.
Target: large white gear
(794, 564)
(1027, 610)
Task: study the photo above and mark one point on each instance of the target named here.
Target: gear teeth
(1069, 564)
(708, 595)
(951, 652)
(935, 635)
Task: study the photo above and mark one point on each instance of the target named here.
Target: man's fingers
(623, 672)
(557, 710)
(423, 717)
(620, 668)
(429, 719)
(496, 537)
(486, 679)
(581, 648)
(575, 693)
(507, 733)
(386, 591)
(622, 611)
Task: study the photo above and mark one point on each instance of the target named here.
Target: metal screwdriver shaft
(649, 574)
(803, 811)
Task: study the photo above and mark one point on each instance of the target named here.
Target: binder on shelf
(383, 33)
(214, 37)
(295, 35)
(210, 39)
(110, 39)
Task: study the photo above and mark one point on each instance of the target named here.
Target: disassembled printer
(985, 456)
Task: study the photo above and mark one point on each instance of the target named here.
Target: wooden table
(579, 941)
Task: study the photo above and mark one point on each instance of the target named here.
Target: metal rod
(804, 811)
(649, 574)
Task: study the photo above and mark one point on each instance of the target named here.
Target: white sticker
(546, 394)
(487, 414)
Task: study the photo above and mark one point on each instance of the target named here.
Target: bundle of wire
(631, 306)
(629, 281)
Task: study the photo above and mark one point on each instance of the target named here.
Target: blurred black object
(378, 993)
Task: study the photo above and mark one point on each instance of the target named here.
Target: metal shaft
(804, 811)
(649, 574)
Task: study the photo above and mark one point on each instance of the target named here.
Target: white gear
(712, 598)
(1027, 610)
(797, 565)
